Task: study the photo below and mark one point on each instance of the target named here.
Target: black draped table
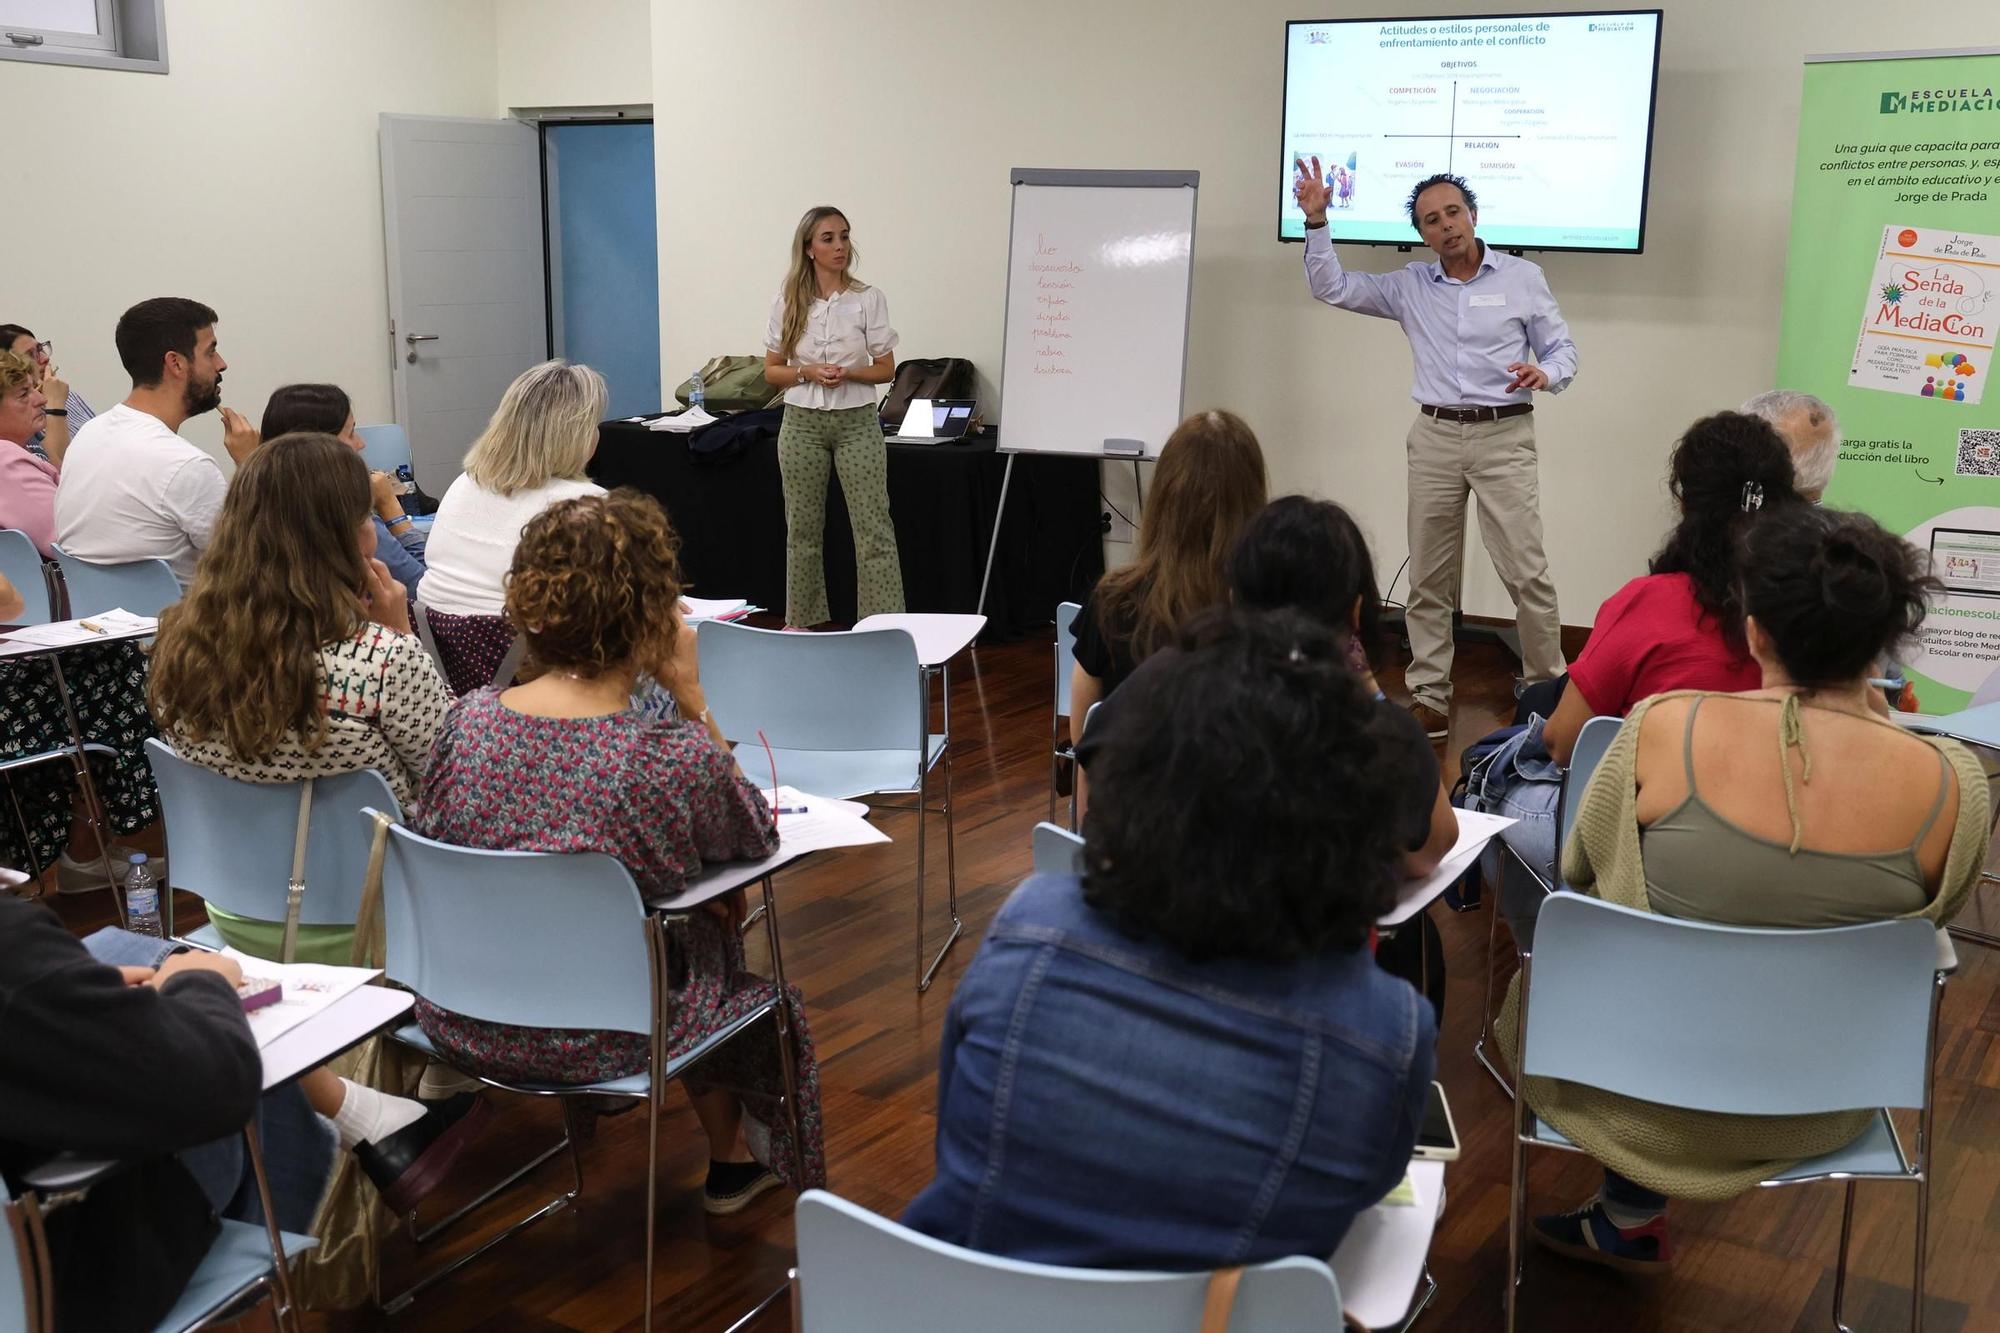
(731, 520)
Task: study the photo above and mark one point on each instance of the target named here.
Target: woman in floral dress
(566, 763)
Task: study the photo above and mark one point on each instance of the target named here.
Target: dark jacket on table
(92, 1066)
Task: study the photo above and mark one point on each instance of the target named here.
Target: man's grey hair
(1812, 460)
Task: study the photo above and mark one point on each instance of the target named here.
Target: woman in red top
(1680, 627)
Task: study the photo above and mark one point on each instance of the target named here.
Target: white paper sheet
(712, 608)
(310, 988)
(91, 629)
(692, 419)
(1382, 1256)
(1475, 830)
(814, 823)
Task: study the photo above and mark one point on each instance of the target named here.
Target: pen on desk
(93, 627)
(788, 810)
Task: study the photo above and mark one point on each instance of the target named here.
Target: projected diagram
(1552, 131)
(1475, 138)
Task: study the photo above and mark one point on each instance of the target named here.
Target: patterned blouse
(385, 704)
(660, 796)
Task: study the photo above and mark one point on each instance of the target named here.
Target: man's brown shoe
(1435, 724)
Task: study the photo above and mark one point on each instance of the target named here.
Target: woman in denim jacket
(1187, 1058)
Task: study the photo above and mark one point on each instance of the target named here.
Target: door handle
(413, 339)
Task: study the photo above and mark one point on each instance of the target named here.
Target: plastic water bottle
(142, 899)
(697, 396)
(406, 480)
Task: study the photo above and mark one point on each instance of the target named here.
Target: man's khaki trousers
(1496, 462)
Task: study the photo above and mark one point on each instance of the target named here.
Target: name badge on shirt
(1494, 299)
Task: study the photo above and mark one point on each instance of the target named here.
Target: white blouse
(473, 538)
(848, 329)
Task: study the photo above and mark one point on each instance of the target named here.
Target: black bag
(938, 377)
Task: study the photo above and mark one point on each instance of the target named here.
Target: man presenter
(1474, 319)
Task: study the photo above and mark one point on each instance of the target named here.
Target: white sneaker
(87, 875)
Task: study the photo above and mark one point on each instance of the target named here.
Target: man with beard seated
(132, 488)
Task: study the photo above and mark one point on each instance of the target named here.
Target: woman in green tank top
(1798, 804)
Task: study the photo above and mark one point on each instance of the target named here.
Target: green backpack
(732, 384)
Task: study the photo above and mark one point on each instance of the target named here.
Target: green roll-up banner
(1892, 300)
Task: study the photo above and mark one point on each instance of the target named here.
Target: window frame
(131, 36)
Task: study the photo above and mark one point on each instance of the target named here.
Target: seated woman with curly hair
(595, 590)
(1796, 806)
(1187, 1058)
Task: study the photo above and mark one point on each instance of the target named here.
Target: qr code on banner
(1979, 453)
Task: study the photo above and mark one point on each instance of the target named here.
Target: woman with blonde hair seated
(1794, 805)
(567, 763)
(532, 455)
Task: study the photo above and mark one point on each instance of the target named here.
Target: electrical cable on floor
(1388, 596)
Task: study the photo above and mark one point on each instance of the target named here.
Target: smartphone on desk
(1437, 1137)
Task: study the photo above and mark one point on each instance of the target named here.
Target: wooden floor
(1762, 1262)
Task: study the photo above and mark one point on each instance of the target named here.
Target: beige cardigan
(1702, 1154)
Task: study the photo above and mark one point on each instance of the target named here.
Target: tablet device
(1967, 560)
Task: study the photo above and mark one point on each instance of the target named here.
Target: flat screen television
(1548, 117)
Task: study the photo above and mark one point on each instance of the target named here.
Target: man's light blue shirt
(1463, 335)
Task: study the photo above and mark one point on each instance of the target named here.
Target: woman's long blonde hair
(1207, 486)
(237, 658)
(801, 287)
(545, 429)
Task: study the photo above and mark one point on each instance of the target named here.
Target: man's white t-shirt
(132, 490)
(472, 543)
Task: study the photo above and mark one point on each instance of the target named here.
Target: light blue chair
(860, 1273)
(846, 715)
(1076, 791)
(543, 940)
(385, 448)
(237, 1271)
(1057, 851)
(1737, 1021)
(143, 587)
(1592, 741)
(1059, 744)
(231, 843)
(22, 565)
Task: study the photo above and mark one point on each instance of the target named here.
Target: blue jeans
(299, 1144)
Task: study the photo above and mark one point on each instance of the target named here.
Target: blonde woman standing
(828, 346)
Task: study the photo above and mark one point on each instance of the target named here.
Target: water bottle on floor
(697, 395)
(142, 899)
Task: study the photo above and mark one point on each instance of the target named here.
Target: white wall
(911, 127)
(576, 53)
(247, 177)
